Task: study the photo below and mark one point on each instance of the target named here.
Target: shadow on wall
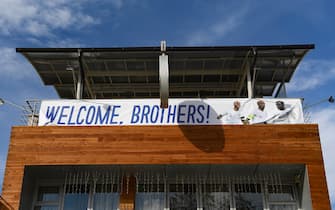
(208, 138)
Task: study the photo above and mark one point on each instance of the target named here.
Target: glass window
(183, 197)
(150, 197)
(48, 194)
(47, 198)
(106, 197)
(46, 208)
(283, 207)
(75, 201)
(215, 196)
(248, 197)
(76, 197)
(281, 193)
(151, 200)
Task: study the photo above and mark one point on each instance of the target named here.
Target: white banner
(179, 112)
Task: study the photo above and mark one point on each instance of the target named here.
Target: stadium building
(171, 128)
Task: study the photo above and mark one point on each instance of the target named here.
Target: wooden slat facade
(4, 205)
(228, 144)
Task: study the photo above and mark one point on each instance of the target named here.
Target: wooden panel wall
(4, 205)
(166, 145)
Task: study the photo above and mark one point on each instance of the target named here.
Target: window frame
(45, 183)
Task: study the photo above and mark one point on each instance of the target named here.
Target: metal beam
(173, 72)
(150, 59)
(281, 90)
(88, 84)
(215, 86)
(172, 49)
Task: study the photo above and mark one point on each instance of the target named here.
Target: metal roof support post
(250, 84)
(281, 91)
(164, 76)
(81, 76)
(245, 68)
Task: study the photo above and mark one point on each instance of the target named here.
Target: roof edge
(172, 48)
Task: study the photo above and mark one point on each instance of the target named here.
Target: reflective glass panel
(106, 197)
(283, 207)
(76, 197)
(48, 194)
(150, 196)
(182, 197)
(149, 201)
(248, 197)
(215, 196)
(46, 208)
(280, 193)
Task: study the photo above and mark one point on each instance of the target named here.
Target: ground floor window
(248, 196)
(48, 198)
(76, 196)
(169, 188)
(106, 197)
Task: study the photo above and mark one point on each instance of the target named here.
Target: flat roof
(133, 72)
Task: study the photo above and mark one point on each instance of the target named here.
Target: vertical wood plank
(127, 197)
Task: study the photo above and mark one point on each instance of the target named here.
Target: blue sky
(122, 23)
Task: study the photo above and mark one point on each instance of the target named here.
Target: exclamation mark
(208, 109)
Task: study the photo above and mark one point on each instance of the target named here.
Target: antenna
(30, 112)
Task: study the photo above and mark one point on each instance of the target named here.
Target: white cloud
(218, 29)
(12, 66)
(59, 43)
(40, 18)
(117, 3)
(56, 42)
(326, 120)
(312, 74)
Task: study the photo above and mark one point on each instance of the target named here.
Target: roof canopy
(133, 72)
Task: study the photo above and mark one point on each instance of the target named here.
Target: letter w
(51, 114)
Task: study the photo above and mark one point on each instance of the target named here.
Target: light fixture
(330, 99)
(69, 67)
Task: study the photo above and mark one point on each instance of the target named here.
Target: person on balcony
(282, 115)
(233, 117)
(259, 116)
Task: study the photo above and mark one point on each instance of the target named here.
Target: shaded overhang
(133, 72)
